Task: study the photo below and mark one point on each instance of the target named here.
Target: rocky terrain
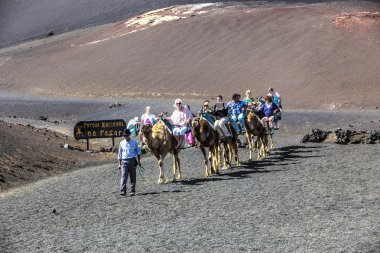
(341, 136)
(110, 59)
(29, 154)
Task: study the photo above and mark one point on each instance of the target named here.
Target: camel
(161, 142)
(254, 127)
(230, 147)
(207, 137)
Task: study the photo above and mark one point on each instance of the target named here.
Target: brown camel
(161, 142)
(254, 127)
(230, 147)
(207, 137)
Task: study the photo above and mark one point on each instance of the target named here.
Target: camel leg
(227, 160)
(258, 146)
(266, 151)
(217, 160)
(161, 159)
(265, 141)
(254, 144)
(174, 169)
(230, 152)
(272, 146)
(249, 138)
(220, 157)
(217, 155)
(205, 161)
(236, 155)
(261, 149)
(213, 154)
(178, 163)
(211, 161)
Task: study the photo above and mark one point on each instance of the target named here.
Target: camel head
(199, 125)
(146, 130)
(251, 117)
(195, 123)
(200, 128)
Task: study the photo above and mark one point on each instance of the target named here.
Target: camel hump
(158, 130)
(159, 126)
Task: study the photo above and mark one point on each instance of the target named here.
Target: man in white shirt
(129, 158)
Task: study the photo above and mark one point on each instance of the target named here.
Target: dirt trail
(305, 198)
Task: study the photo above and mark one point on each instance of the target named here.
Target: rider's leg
(234, 124)
(177, 136)
(271, 121)
(182, 133)
(241, 120)
(219, 129)
(264, 121)
(223, 125)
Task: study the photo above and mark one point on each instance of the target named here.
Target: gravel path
(305, 198)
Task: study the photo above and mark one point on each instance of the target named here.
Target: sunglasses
(178, 103)
(205, 105)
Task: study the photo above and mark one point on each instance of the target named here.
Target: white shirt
(128, 149)
(145, 117)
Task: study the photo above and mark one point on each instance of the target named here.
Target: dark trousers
(128, 167)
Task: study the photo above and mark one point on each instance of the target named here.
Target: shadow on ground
(291, 154)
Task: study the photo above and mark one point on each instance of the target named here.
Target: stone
(42, 118)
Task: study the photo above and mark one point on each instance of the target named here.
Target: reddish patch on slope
(364, 20)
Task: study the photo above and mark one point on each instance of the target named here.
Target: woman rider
(268, 109)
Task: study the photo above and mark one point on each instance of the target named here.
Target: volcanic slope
(318, 56)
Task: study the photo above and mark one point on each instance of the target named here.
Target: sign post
(99, 129)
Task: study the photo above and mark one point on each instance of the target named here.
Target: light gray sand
(304, 198)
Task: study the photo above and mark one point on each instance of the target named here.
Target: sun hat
(177, 101)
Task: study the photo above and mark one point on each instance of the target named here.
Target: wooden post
(113, 141)
(88, 144)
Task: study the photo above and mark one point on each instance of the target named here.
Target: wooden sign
(99, 129)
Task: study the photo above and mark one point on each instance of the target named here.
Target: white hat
(177, 101)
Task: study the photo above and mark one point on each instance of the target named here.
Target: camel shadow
(199, 181)
(158, 192)
(290, 154)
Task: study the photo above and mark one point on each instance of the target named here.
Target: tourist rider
(276, 97)
(236, 108)
(206, 108)
(134, 126)
(248, 97)
(180, 119)
(277, 100)
(268, 109)
(222, 119)
(129, 158)
(148, 118)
